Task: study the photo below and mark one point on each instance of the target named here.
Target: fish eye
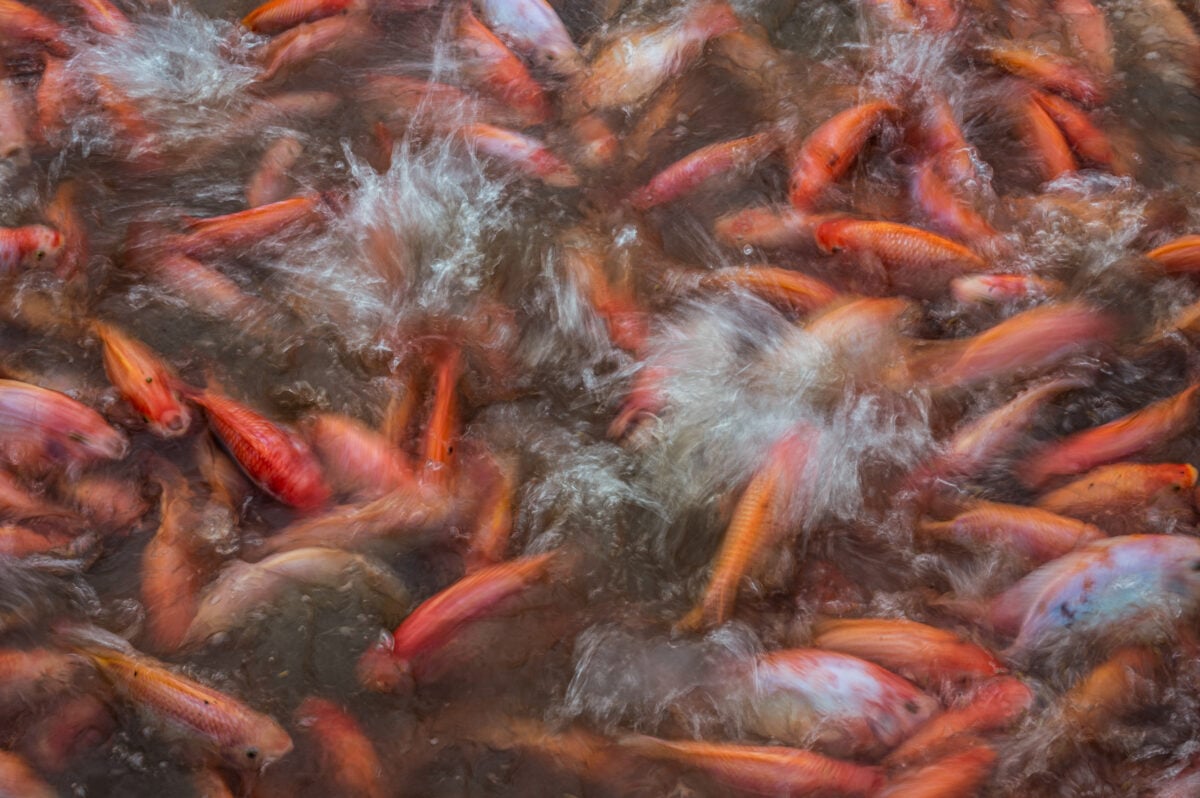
(78, 437)
(149, 380)
(252, 753)
(41, 253)
(1196, 565)
(911, 707)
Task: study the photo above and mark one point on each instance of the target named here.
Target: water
(347, 312)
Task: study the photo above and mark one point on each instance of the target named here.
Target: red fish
(294, 49)
(770, 228)
(946, 212)
(63, 215)
(358, 459)
(1181, 255)
(1052, 73)
(19, 779)
(35, 422)
(491, 65)
(1109, 492)
(1084, 137)
(955, 775)
(786, 289)
(1132, 434)
(685, 175)
(244, 228)
(106, 18)
(433, 624)
(347, 756)
(1028, 532)
(29, 246)
(1003, 288)
(830, 150)
(524, 153)
(1045, 141)
(276, 459)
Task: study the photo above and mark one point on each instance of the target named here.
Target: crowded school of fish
(644, 398)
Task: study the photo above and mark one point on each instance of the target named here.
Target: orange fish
(687, 174)
(493, 527)
(940, 135)
(917, 262)
(1029, 532)
(442, 428)
(1084, 137)
(770, 228)
(1050, 72)
(434, 623)
(347, 757)
(245, 739)
(995, 705)
(1028, 342)
(1110, 690)
(629, 69)
(1045, 141)
(18, 778)
(754, 527)
(1116, 489)
(1129, 435)
(244, 228)
(37, 422)
(763, 770)
(929, 656)
(173, 570)
(946, 211)
(786, 289)
(276, 16)
(19, 22)
(830, 149)
(270, 181)
(524, 153)
(583, 257)
(1180, 255)
(276, 459)
(956, 775)
(144, 380)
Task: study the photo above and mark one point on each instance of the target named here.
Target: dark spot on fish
(1196, 565)
(149, 380)
(1066, 611)
(911, 707)
(251, 753)
(78, 437)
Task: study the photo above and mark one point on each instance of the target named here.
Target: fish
(994, 705)
(918, 263)
(347, 755)
(63, 215)
(144, 380)
(1081, 134)
(17, 778)
(243, 738)
(357, 459)
(434, 622)
(955, 775)
(1115, 490)
(32, 676)
(1109, 691)
(523, 153)
(71, 729)
(276, 16)
(215, 234)
(276, 459)
(925, 655)
(38, 422)
(831, 702)
(788, 290)
(31, 246)
(829, 151)
(490, 64)
(1044, 140)
(270, 181)
(19, 22)
(1028, 532)
(15, 126)
(626, 71)
(1119, 439)
(534, 31)
(1051, 72)
(1178, 256)
(947, 213)
(762, 770)
(295, 48)
(1103, 585)
(769, 228)
(693, 170)
(756, 525)
(241, 587)
(1004, 288)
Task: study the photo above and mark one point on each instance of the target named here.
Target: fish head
(44, 245)
(173, 421)
(97, 440)
(380, 670)
(267, 744)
